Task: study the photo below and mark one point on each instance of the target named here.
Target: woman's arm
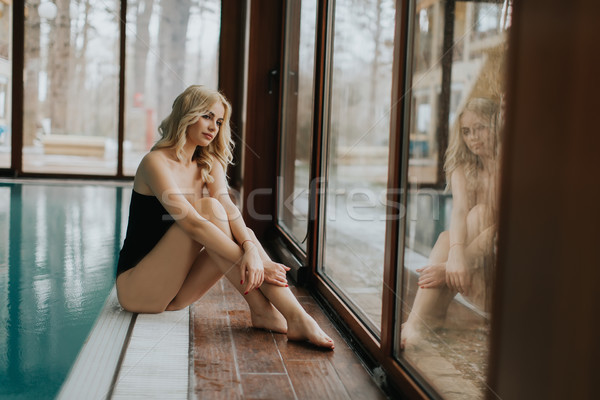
(218, 190)
(457, 275)
(154, 172)
(252, 265)
(274, 273)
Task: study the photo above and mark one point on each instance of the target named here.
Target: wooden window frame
(525, 361)
(377, 352)
(17, 99)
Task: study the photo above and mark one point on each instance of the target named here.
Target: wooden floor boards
(234, 361)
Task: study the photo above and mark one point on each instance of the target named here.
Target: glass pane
(297, 117)
(170, 45)
(5, 81)
(453, 173)
(357, 155)
(71, 87)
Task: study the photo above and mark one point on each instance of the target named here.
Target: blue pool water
(58, 250)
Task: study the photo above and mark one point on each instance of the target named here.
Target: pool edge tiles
(94, 369)
(156, 363)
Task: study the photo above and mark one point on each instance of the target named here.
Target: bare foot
(269, 319)
(304, 327)
(414, 332)
(410, 335)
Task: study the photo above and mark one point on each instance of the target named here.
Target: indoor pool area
(64, 335)
(334, 199)
(59, 243)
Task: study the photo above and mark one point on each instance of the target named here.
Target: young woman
(179, 243)
(459, 259)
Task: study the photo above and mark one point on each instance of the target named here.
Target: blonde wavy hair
(458, 154)
(187, 108)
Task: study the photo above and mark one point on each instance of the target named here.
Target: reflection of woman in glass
(459, 259)
(179, 243)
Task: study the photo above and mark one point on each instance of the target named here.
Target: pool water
(59, 245)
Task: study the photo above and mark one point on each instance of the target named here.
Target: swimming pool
(58, 250)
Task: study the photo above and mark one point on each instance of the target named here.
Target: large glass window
(358, 133)
(455, 136)
(297, 118)
(71, 86)
(5, 81)
(170, 45)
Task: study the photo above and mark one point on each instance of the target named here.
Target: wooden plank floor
(234, 361)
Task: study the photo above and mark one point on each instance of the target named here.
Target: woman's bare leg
(480, 234)
(202, 276)
(208, 268)
(150, 286)
(287, 315)
(175, 273)
(203, 271)
(301, 326)
(271, 307)
(430, 305)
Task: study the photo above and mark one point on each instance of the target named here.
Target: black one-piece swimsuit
(148, 222)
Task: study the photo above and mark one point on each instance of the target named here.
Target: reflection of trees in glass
(306, 66)
(170, 45)
(423, 38)
(140, 48)
(174, 17)
(474, 33)
(32, 55)
(72, 61)
(363, 52)
(59, 61)
(70, 69)
(5, 28)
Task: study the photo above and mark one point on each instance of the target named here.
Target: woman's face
(207, 127)
(477, 135)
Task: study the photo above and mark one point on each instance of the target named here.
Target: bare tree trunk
(78, 93)
(174, 16)
(32, 67)
(58, 67)
(376, 56)
(142, 42)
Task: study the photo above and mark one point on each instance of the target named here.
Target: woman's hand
(275, 273)
(252, 269)
(432, 276)
(458, 276)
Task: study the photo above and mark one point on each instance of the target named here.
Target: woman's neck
(188, 152)
(488, 164)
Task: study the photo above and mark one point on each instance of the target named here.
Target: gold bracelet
(457, 244)
(247, 240)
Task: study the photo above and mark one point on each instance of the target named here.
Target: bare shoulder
(459, 171)
(154, 156)
(153, 165)
(216, 165)
(458, 180)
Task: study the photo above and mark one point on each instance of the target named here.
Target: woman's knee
(478, 219)
(444, 237)
(479, 213)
